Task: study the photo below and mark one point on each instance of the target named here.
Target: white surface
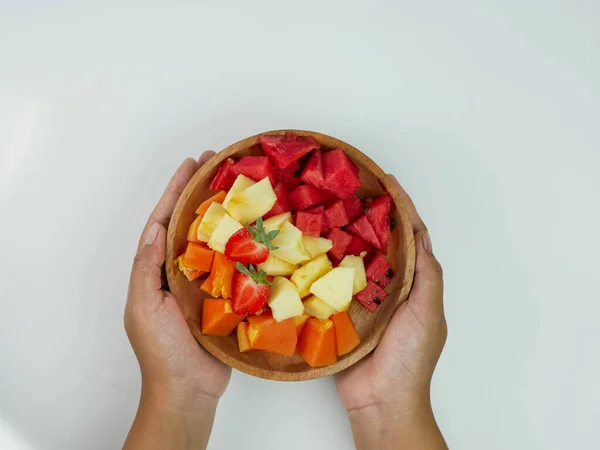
(486, 111)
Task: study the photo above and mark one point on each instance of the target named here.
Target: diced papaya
(265, 333)
(299, 322)
(192, 235)
(218, 318)
(217, 198)
(190, 274)
(219, 282)
(242, 335)
(316, 344)
(346, 336)
(198, 257)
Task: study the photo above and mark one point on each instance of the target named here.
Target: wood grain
(370, 326)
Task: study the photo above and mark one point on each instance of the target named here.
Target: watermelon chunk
(305, 196)
(329, 198)
(378, 213)
(282, 204)
(353, 207)
(371, 297)
(256, 168)
(336, 215)
(225, 176)
(358, 245)
(379, 271)
(340, 240)
(285, 149)
(363, 228)
(340, 174)
(290, 176)
(320, 210)
(313, 171)
(309, 224)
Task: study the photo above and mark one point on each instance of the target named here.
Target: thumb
(428, 286)
(146, 272)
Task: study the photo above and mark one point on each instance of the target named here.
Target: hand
(393, 384)
(180, 381)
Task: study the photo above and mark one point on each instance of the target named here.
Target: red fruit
(250, 290)
(379, 271)
(358, 245)
(320, 210)
(340, 174)
(313, 172)
(378, 214)
(290, 176)
(371, 297)
(282, 204)
(336, 215)
(256, 168)
(340, 240)
(353, 207)
(305, 196)
(363, 228)
(285, 149)
(309, 224)
(225, 177)
(241, 247)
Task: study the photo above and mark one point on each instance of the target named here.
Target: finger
(415, 219)
(428, 286)
(204, 157)
(146, 272)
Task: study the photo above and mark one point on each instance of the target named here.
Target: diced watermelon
(282, 204)
(256, 168)
(378, 214)
(340, 240)
(336, 215)
(371, 297)
(309, 224)
(285, 149)
(359, 245)
(225, 176)
(379, 271)
(320, 210)
(363, 228)
(353, 207)
(305, 196)
(290, 176)
(340, 174)
(313, 171)
(329, 198)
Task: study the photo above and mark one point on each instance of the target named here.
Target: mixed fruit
(287, 245)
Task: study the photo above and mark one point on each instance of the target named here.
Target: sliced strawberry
(250, 245)
(250, 290)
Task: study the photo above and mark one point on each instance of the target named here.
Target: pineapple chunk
(306, 275)
(317, 245)
(275, 222)
(316, 307)
(277, 267)
(202, 237)
(335, 288)
(290, 245)
(211, 219)
(284, 299)
(252, 203)
(240, 184)
(227, 226)
(360, 278)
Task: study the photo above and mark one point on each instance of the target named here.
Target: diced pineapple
(306, 275)
(316, 307)
(275, 222)
(201, 236)
(211, 219)
(360, 278)
(335, 288)
(240, 184)
(290, 245)
(284, 299)
(275, 266)
(252, 203)
(317, 245)
(227, 226)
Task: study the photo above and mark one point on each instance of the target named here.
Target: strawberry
(250, 245)
(250, 290)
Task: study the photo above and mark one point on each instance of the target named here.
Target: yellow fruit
(335, 288)
(290, 245)
(211, 219)
(240, 184)
(252, 203)
(275, 266)
(360, 278)
(275, 222)
(306, 275)
(316, 307)
(316, 245)
(227, 226)
(284, 299)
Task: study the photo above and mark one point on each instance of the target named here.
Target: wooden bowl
(370, 326)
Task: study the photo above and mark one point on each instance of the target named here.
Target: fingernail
(427, 242)
(152, 234)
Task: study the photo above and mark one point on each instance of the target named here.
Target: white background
(487, 111)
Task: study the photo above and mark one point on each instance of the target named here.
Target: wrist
(174, 398)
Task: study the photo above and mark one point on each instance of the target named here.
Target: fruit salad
(285, 245)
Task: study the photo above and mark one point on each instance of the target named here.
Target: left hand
(175, 368)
